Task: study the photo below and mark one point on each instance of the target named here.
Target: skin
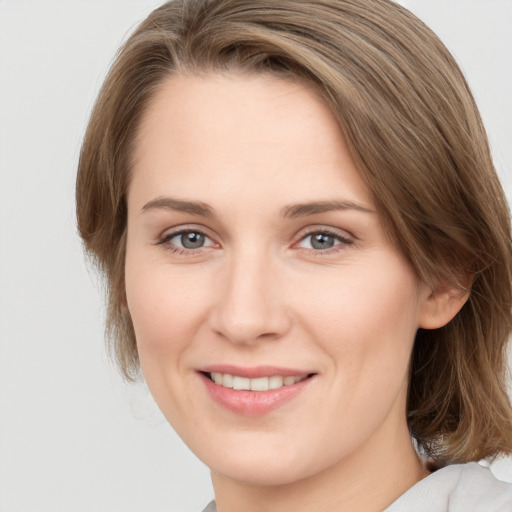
(259, 293)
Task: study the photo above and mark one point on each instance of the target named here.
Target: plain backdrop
(73, 436)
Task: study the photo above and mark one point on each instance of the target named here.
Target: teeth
(227, 380)
(275, 382)
(241, 383)
(259, 384)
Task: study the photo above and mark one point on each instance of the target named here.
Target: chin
(258, 473)
(266, 463)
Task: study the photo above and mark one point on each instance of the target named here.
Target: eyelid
(179, 228)
(344, 238)
(169, 233)
(319, 228)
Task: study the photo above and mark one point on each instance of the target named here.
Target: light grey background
(73, 437)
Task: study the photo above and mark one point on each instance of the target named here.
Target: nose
(250, 305)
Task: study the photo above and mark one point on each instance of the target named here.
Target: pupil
(322, 241)
(192, 240)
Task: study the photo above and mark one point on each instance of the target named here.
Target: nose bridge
(249, 306)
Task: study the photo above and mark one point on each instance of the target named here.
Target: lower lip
(253, 403)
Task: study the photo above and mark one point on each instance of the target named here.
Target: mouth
(254, 391)
(266, 383)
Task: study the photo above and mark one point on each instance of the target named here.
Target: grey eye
(186, 240)
(322, 241)
(191, 239)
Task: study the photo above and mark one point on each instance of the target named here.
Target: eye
(189, 239)
(323, 241)
(186, 240)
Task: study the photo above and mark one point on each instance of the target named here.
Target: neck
(351, 484)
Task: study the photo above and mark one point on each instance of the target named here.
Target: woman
(308, 253)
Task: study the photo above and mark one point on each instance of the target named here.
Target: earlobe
(441, 306)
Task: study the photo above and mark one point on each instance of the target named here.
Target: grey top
(458, 488)
(210, 507)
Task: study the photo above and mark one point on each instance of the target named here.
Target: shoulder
(458, 488)
(210, 507)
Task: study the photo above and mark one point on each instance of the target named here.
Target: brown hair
(416, 136)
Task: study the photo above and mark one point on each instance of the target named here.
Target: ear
(441, 305)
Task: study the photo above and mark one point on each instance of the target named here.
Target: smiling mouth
(239, 383)
(254, 391)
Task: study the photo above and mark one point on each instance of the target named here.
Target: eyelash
(182, 251)
(340, 246)
(165, 241)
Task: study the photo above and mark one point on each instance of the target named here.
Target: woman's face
(255, 258)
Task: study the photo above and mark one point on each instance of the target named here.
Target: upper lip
(254, 372)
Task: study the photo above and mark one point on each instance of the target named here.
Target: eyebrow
(288, 212)
(304, 209)
(169, 203)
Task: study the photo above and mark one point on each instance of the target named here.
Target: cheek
(365, 317)
(166, 306)
(365, 322)
(167, 309)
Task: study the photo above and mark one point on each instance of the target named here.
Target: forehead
(248, 132)
(232, 106)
